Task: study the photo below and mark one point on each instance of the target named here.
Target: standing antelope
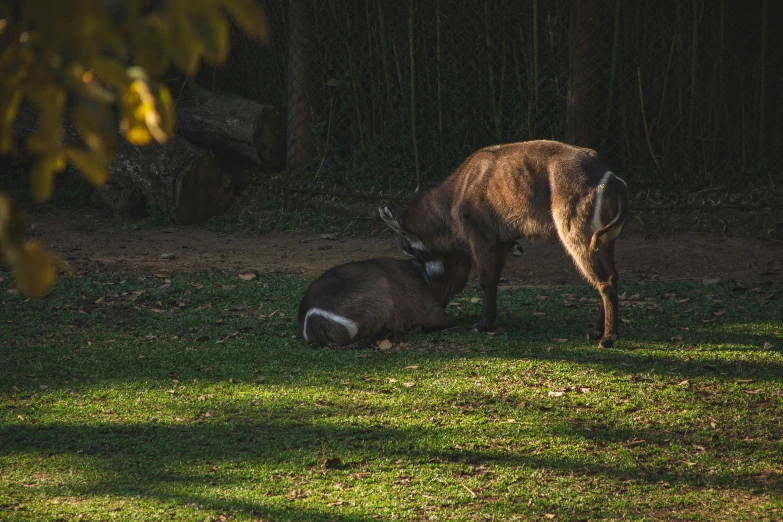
(536, 190)
(361, 300)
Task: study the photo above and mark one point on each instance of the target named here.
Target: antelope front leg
(598, 327)
(608, 293)
(489, 262)
(434, 318)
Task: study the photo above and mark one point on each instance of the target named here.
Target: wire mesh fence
(391, 95)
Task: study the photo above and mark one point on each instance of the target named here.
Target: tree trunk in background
(584, 61)
(297, 86)
(229, 123)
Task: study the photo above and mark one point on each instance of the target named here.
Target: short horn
(390, 220)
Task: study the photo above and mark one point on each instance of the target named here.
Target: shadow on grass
(162, 461)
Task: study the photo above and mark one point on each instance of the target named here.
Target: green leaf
(250, 17)
(211, 27)
(96, 124)
(91, 166)
(42, 175)
(9, 105)
(151, 41)
(35, 269)
(185, 50)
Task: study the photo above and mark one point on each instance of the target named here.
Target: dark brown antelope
(533, 190)
(365, 299)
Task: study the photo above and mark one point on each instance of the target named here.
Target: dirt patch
(87, 241)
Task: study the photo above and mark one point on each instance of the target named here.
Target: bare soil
(89, 242)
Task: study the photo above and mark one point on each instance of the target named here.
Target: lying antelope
(366, 299)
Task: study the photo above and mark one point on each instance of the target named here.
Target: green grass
(133, 399)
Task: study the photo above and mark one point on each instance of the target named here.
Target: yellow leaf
(91, 167)
(35, 269)
(42, 175)
(136, 103)
(145, 116)
(250, 17)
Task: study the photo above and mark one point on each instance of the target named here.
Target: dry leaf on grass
(384, 344)
(247, 276)
(634, 443)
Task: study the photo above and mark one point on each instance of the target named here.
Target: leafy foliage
(83, 58)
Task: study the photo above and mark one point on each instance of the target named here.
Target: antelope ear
(390, 220)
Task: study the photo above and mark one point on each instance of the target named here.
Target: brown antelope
(365, 299)
(534, 190)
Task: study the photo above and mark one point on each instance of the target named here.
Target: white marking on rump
(349, 325)
(599, 200)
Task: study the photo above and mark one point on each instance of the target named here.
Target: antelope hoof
(482, 326)
(595, 335)
(608, 341)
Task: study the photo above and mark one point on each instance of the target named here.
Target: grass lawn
(135, 398)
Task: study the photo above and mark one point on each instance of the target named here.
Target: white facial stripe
(349, 325)
(599, 199)
(417, 245)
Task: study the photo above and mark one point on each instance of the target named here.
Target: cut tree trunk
(178, 177)
(228, 123)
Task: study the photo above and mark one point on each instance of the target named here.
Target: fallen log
(228, 123)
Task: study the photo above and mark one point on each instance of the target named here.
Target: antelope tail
(621, 193)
